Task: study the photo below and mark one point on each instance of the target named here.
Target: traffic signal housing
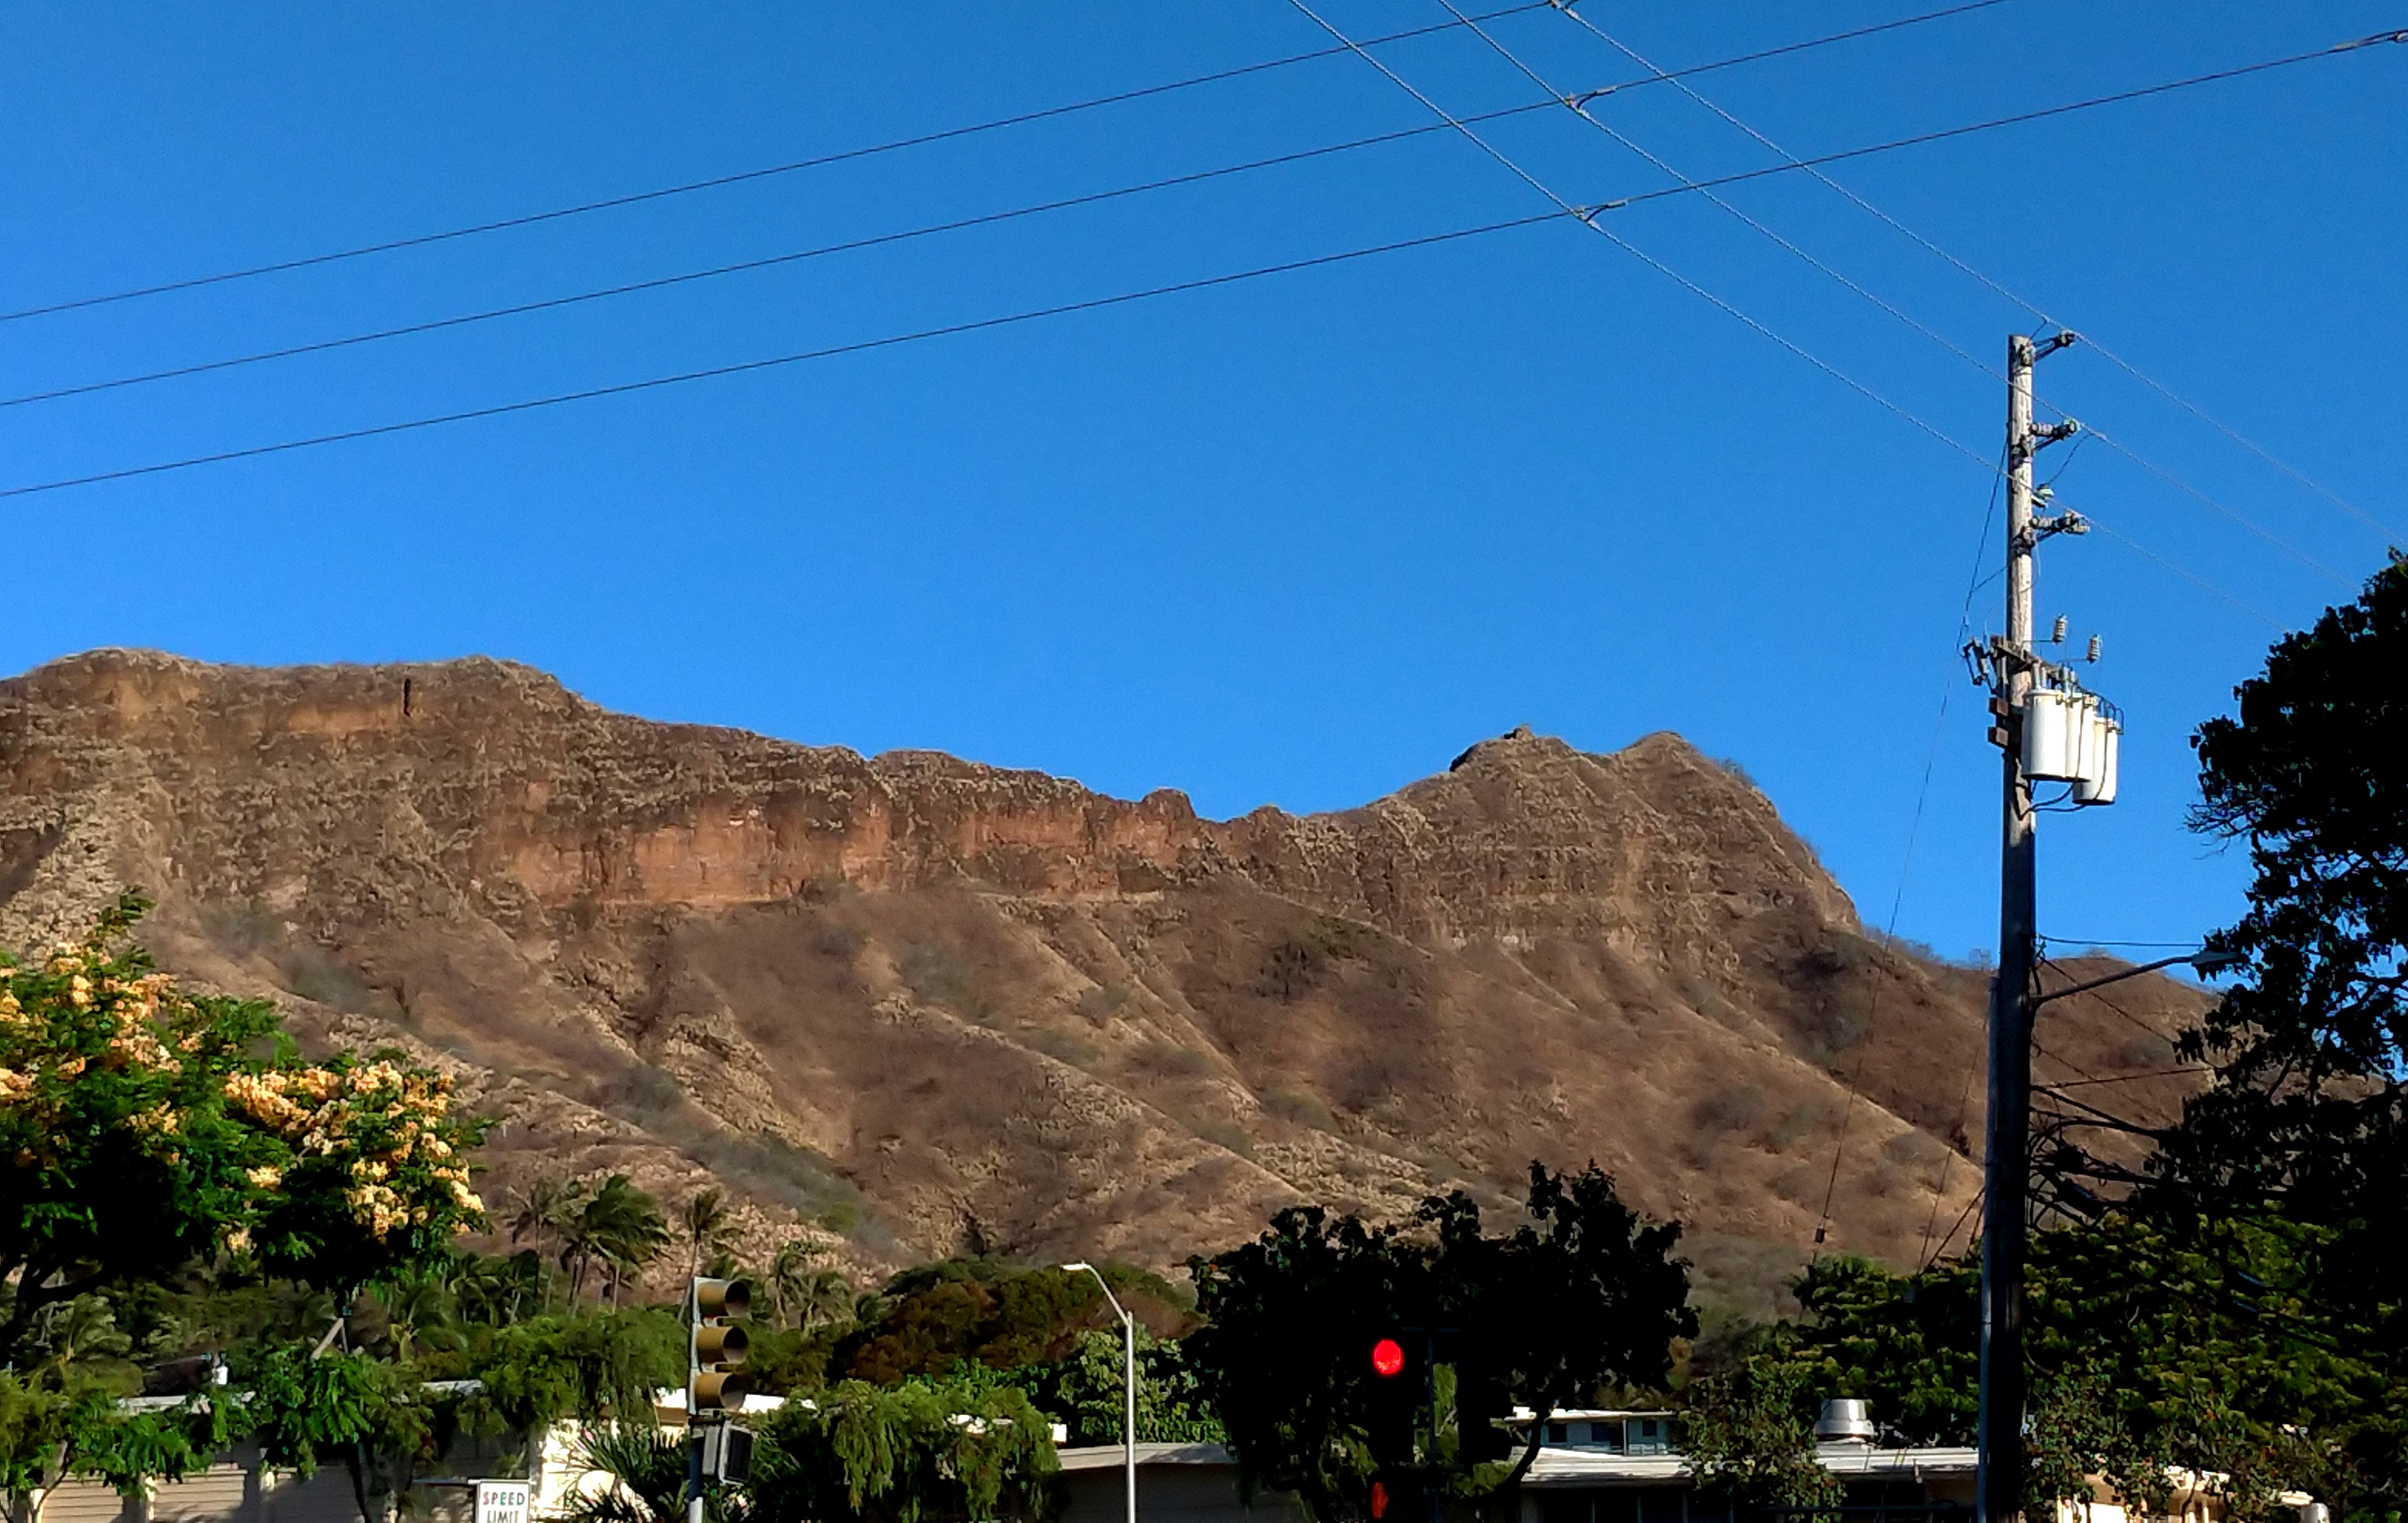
(715, 1354)
(1398, 1385)
(1482, 1404)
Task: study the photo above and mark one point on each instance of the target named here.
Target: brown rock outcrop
(906, 998)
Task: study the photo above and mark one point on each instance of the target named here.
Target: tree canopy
(2309, 1104)
(1583, 1294)
(141, 1130)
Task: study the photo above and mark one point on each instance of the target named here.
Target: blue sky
(1295, 541)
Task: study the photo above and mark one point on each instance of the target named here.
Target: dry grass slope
(889, 1001)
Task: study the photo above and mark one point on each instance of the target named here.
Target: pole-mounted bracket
(2040, 528)
(2061, 338)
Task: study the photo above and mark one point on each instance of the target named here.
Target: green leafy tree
(1750, 1435)
(1084, 1391)
(2306, 1128)
(142, 1130)
(2152, 1342)
(922, 1451)
(1909, 1344)
(2312, 1044)
(984, 1312)
(600, 1365)
(1583, 1295)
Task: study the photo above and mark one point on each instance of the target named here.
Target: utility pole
(2005, 1160)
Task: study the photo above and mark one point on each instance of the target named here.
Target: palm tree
(647, 1466)
(789, 1271)
(81, 1332)
(546, 1209)
(491, 1290)
(620, 1226)
(826, 1296)
(420, 1313)
(706, 1222)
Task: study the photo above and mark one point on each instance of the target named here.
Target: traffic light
(727, 1453)
(1481, 1404)
(1398, 1386)
(714, 1382)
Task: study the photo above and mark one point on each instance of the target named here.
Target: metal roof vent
(1845, 1420)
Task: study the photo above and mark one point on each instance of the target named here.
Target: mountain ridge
(899, 1000)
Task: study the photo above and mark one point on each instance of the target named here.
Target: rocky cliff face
(896, 1001)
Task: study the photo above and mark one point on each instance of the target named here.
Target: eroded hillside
(908, 1000)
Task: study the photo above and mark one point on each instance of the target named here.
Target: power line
(2252, 446)
(1661, 75)
(1970, 1206)
(2131, 1019)
(917, 141)
(1590, 221)
(1974, 584)
(2180, 485)
(1589, 218)
(747, 367)
(2127, 1078)
(1953, 348)
(1810, 165)
(1578, 105)
(741, 267)
(420, 240)
(2017, 119)
(1578, 108)
(772, 261)
(2194, 580)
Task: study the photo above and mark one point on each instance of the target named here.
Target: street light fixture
(1128, 1381)
(2204, 963)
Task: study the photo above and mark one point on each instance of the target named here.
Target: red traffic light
(1380, 1497)
(1387, 1361)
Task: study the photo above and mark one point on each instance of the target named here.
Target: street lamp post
(1128, 1382)
(2203, 963)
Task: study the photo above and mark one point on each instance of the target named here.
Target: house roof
(1580, 1466)
(1112, 1457)
(1584, 1467)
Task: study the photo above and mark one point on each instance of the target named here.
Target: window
(1606, 1435)
(1647, 1435)
(1559, 1433)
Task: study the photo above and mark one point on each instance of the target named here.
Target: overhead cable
(1812, 167)
(771, 260)
(2132, 1078)
(748, 366)
(741, 267)
(1578, 105)
(1590, 218)
(918, 140)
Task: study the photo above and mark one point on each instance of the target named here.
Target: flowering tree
(143, 1128)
